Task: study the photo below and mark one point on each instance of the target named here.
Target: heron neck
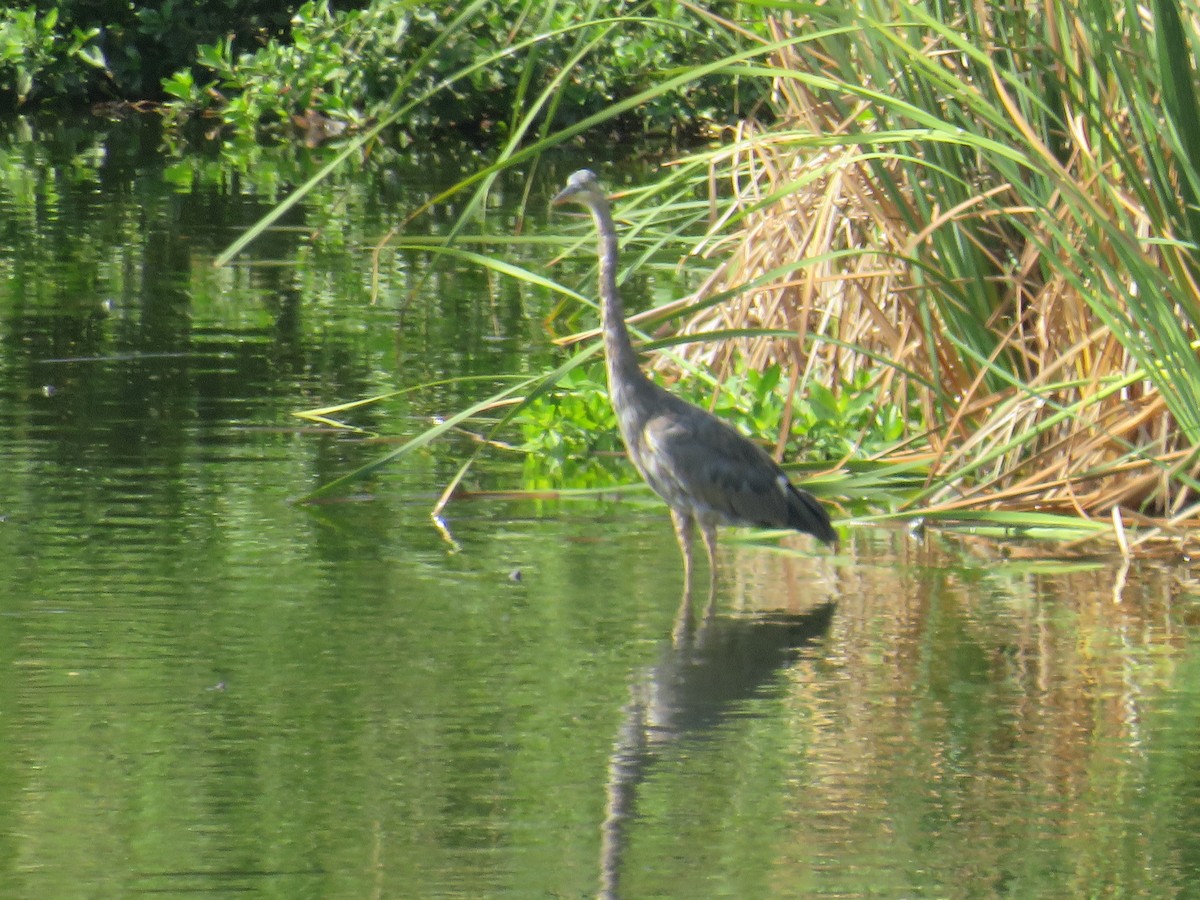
(621, 358)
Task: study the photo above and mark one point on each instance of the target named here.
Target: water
(209, 688)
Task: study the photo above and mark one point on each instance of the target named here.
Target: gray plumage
(706, 471)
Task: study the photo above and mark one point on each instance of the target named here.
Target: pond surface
(208, 688)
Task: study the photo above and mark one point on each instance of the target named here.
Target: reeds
(994, 212)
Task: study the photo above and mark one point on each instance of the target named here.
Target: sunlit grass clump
(992, 215)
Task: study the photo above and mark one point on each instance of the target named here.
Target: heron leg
(683, 617)
(708, 531)
(684, 533)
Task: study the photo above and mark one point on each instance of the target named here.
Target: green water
(207, 688)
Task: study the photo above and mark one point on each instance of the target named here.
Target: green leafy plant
(353, 65)
(855, 423)
(81, 50)
(329, 66)
(570, 432)
(37, 56)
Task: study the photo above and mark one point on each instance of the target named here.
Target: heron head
(582, 187)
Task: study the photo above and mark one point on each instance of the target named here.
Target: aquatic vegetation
(967, 215)
(570, 431)
(991, 215)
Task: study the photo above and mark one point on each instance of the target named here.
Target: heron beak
(563, 196)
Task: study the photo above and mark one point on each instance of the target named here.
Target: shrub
(351, 65)
(40, 58)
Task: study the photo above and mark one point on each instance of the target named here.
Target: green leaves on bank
(340, 68)
(40, 57)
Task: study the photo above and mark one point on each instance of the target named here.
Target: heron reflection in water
(707, 674)
(707, 472)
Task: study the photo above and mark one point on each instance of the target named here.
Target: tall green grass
(1009, 191)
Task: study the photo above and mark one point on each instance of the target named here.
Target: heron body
(706, 471)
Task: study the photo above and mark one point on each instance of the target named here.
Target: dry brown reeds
(1017, 265)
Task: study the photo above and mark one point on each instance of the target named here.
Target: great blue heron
(708, 473)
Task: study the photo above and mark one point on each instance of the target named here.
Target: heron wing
(706, 465)
(703, 467)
